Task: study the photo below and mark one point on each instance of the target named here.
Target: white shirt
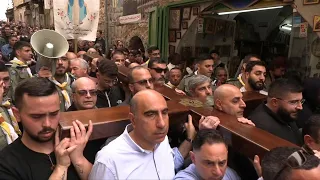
(124, 159)
(243, 89)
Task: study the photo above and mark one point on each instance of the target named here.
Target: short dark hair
(122, 50)
(312, 127)
(175, 68)
(203, 57)
(217, 69)
(117, 52)
(214, 52)
(99, 31)
(130, 73)
(311, 162)
(21, 44)
(280, 87)
(252, 64)
(3, 67)
(108, 68)
(274, 160)
(12, 36)
(249, 56)
(156, 60)
(36, 87)
(152, 48)
(209, 136)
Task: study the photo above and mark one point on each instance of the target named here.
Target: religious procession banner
(76, 19)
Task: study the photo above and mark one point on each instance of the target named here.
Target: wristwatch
(189, 140)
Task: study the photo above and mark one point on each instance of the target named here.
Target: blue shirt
(6, 49)
(124, 159)
(190, 173)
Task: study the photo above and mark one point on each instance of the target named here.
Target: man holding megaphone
(53, 63)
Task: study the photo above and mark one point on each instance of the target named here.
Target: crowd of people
(86, 77)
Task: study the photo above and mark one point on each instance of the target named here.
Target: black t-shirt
(19, 162)
(111, 98)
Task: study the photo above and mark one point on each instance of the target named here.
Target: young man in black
(109, 93)
(39, 153)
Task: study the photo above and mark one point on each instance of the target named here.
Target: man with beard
(239, 79)
(63, 81)
(158, 69)
(279, 113)
(255, 74)
(174, 78)
(39, 153)
(200, 88)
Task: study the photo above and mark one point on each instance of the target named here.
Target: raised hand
(246, 121)
(191, 131)
(209, 122)
(62, 150)
(79, 138)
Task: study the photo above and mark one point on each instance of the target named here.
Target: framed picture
(195, 11)
(178, 35)
(175, 19)
(287, 0)
(316, 23)
(220, 26)
(185, 25)
(172, 36)
(210, 26)
(310, 1)
(186, 15)
(172, 49)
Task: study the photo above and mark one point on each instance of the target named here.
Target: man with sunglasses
(84, 94)
(284, 163)
(158, 69)
(278, 114)
(109, 93)
(139, 78)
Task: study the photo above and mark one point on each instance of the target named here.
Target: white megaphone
(49, 46)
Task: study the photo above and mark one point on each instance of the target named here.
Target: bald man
(71, 55)
(228, 98)
(84, 94)
(81, 53)
(144, 144)
(132, 65)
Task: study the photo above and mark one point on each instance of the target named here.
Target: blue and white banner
(76, 19)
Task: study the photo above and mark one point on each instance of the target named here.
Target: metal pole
(106, 26)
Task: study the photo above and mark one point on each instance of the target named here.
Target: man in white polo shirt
(143, 150)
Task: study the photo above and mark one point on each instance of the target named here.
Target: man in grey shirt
(209, 157)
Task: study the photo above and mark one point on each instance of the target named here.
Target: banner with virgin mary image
(76, 19)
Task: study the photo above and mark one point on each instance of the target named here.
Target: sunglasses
(145, 82)
(92, 92)
(295, 160)
(160, 70)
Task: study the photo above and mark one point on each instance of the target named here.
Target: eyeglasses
(144, 82)
(92, 92)
(293, 102)
(160, 70)
(295, 160)
(113, 81)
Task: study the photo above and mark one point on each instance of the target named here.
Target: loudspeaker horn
(49, 45)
